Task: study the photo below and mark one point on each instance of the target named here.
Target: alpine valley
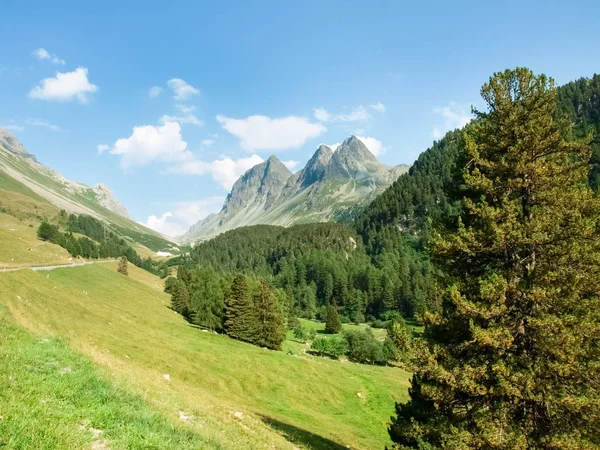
(332, 186)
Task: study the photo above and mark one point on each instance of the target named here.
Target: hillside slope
(234, 394)
(22, 173)
(329, 186)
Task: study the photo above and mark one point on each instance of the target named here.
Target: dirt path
(59, 266)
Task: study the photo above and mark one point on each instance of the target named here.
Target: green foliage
(110, 245)
(271, 329)
(122, 266)
(47, 232)
(240, 315)
(364, 348)
(300, 333)
(512, 361)
(180, 299)
(333, 347)
(333, 324)
(207, 298)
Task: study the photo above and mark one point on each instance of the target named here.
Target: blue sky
(168, 103)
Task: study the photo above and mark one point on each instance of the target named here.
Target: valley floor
(102, 361)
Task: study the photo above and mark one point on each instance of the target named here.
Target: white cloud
(13, 127)
(374, 145)
(154, 91)
(321, 114)
(150, 143)
(455, 116)
(224, 171)
(208, 142)
(358, 114)
(334, 146)
(181, 90)
(379, 107)
(187, 118)
(42, 53)
(182, 215)
(65, 87)
(102, 148)
(186, 109)
(264, 133)
(291, 164)
(41, 123)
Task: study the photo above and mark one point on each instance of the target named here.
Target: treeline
(318, 265)
(252, 310)
(245, 308)
(104, 243)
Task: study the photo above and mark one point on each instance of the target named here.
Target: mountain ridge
(329, 184)
(96, 201)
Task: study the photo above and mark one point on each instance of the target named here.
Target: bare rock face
(330, 186)
(106, 198)
(12, 144)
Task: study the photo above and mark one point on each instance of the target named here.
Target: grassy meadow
(222, 391)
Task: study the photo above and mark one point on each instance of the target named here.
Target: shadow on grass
(299, 436)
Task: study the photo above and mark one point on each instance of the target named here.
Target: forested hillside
(378, 266)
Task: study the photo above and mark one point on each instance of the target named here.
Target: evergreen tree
(207, 301)
(333, 323)
(180, 299)
(513, 360)
(122, 266)
(271, 328)
(240, 315)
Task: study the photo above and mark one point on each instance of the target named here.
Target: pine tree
(513, 360)
(240, 315)
(333, 323)
(180, 299)
(122, 266)
(207, 299)
(271, 328)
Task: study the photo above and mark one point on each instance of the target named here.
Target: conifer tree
(122, 266)
(240, 315)
(271, 327)
(513, 360)
(207, 300)
(180, 299)
(333, 323)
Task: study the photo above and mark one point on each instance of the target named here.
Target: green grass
(126, 327)
(52, 397)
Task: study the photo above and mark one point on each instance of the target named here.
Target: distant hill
(22, 173)
(331, 185)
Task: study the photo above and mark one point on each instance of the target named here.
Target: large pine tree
(207, 298)
(513, 361)
(240, 315)
(271, 328)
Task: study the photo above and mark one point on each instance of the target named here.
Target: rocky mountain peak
(106, 198)
(356, 149)
(12, 144)
(315, 167)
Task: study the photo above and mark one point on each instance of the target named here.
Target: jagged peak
(10, 142)
(355, 148)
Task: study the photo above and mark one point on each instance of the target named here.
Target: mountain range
(331, 185)
(19, 167)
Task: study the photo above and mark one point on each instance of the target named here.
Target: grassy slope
(21, 212)
(124, 226)
(52, 397)
(127, 327)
